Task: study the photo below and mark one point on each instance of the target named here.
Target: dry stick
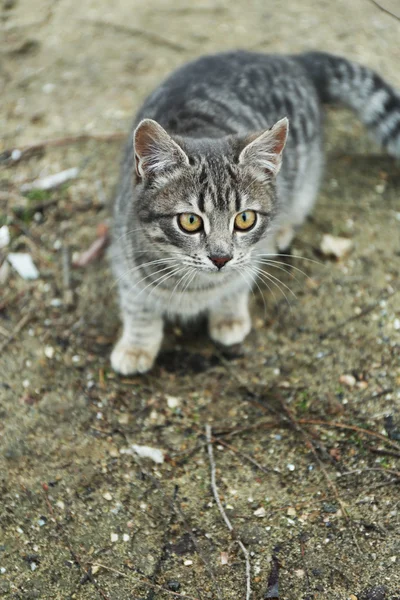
(369, 308)
(331, 484)
(19, 326)
(179, 512)
(351, 428)
(27, 151)
(223, 513)
(152, 37)
(385, 10)
(88, 575)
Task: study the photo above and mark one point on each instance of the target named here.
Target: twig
(223, 513)
(369, 308)
(384, 452)
(351, 428)
(385, 10)
(75, 557)
(19, 326)
(31, 149)
(152, 37)
(179, 512)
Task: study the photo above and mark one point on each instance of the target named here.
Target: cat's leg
(140, 342)
(304, 197)
(229, 322)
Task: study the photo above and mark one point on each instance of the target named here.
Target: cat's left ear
(155, 151)
(264, 151)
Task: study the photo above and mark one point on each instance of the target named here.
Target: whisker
(276, 254)
(275, 281)
(276, 262)
(132, 270)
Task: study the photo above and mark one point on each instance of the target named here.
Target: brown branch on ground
(365, 311)
(181, 515)
(12, 157)
(154, 38)
(386, 10)
(87, 573)
(17, 329)
(223, 513)
(354, 428)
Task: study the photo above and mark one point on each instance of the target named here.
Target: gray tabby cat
(206, 191)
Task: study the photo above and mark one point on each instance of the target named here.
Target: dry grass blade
(222, 510)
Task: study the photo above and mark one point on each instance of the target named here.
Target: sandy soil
(81, 518)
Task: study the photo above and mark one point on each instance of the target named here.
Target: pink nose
(220, 261)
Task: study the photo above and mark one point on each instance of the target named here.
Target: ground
(307, 461)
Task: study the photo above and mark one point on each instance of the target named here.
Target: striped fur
(209, 141)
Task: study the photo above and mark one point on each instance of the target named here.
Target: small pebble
(107, 496)
(49, 351)
(173, 402)
(114, 537)
(187, 563)
(174, 586)
(260, 512)
(291, 467)
(56, 302)
(16, 154)
(348, 380)
(126, 537)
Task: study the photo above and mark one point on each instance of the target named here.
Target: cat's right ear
(156, 153)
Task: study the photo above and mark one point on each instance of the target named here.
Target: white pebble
(107, 496)
(4, 236)
(126, 537)
(114, 537)
(56, 302)
(348, 380)
(187, 563)
(49, 351)
(396, 324)
(16, 154)
(172, 401)
(260, 512)
(291, 467)
(76, 358)
(26, 383)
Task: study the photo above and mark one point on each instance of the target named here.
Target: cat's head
(209, 200)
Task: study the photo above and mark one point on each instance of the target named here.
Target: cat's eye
(190, 223)
(245, 220)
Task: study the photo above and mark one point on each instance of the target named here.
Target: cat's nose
(220, 261)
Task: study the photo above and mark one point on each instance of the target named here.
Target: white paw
(128, 360)
(284, 238)
(229, 331)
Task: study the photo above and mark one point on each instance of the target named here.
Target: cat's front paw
(229, 331)
(128, 360)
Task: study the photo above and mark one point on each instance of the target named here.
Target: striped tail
(376, 103)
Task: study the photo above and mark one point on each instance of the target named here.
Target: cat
(222, 166)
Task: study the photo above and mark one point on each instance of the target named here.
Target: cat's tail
(376, 103)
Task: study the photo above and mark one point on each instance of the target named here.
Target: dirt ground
(308, 462)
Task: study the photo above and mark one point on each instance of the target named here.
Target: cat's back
(230, 92)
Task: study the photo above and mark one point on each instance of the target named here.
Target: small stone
(396, 324)
(174, 586)
(260, 512)
(107, 496)
(300, 573)
(16, 154)
(187, 563)
(126, 537)
(49, 351)
(374, 593)
(173, 402)
(348, 380)
(4, 236)
(224, 556)
(114, 538)
(336, 247)
(291, 512)
(291, 467)
(60, 504)
(95, 569)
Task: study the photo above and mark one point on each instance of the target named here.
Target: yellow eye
(190, 222)
(245, 220)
